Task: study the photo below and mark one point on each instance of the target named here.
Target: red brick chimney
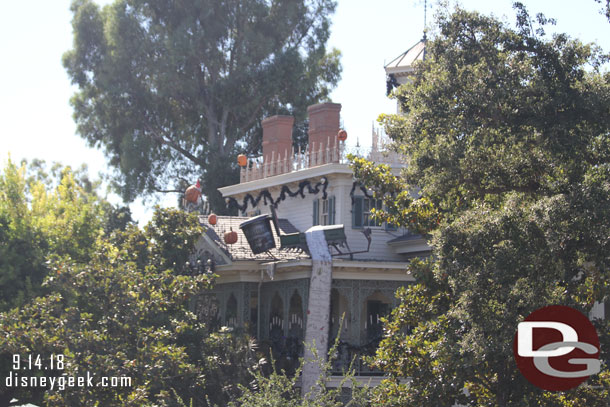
(323, 126)
(277, 137)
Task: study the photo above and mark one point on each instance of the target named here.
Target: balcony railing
(313, 156)
(349, 356)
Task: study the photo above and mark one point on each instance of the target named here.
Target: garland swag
(265, 195)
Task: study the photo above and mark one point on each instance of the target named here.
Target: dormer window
(362, 216)
(361, 212)
(324, 211)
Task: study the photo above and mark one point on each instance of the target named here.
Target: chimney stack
(323, 126)
(277, 137)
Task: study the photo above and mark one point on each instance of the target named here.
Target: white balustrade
(313, 156)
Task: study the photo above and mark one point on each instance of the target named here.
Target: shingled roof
(241, 249)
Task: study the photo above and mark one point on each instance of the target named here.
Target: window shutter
(331, 210)
(315, 212)
(357, 212)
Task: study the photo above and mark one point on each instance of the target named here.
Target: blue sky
(36, 118)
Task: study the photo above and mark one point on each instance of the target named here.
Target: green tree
(279, 389)
(172, 91)
(125, 314)
(507, 134)
(22, 246)
(55, 213)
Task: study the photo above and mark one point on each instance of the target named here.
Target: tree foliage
(128, 313)
(279, 389)
(43, 213)
(507, 134)
(172, 91)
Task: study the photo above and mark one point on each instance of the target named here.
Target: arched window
(207, 309)
(276, 316)
(296, 330)
(231, 314)
(295, 316)
(339, 309)
(375, 307)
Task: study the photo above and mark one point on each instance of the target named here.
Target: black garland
(363, 189)
(266, 196)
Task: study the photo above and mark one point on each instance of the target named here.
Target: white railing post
(285, 162)
(321, 155)
(271, 165)
(290, 165)
(312, 153)
(278, 170)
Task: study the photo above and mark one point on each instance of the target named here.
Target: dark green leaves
(172, 91)
(506, 134)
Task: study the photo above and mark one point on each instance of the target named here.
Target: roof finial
(425, 17)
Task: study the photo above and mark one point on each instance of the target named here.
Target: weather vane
(425, 16)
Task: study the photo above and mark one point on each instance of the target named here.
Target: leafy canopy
(172, 91)
(507, 134)
(128, 312)
(46, 213)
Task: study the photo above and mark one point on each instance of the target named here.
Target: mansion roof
(241, 249)
(403, 64)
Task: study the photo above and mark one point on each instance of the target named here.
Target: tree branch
(168, 142)
(165, 191)
(254, 116)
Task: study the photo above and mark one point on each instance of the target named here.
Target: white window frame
(366, 220)
(324, 211)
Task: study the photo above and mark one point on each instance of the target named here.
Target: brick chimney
(277, 137)
(323, 125)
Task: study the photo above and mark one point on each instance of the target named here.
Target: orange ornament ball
(230, 237)
(192, 194)
(342, 135)
(212, 219)
(242, 160)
